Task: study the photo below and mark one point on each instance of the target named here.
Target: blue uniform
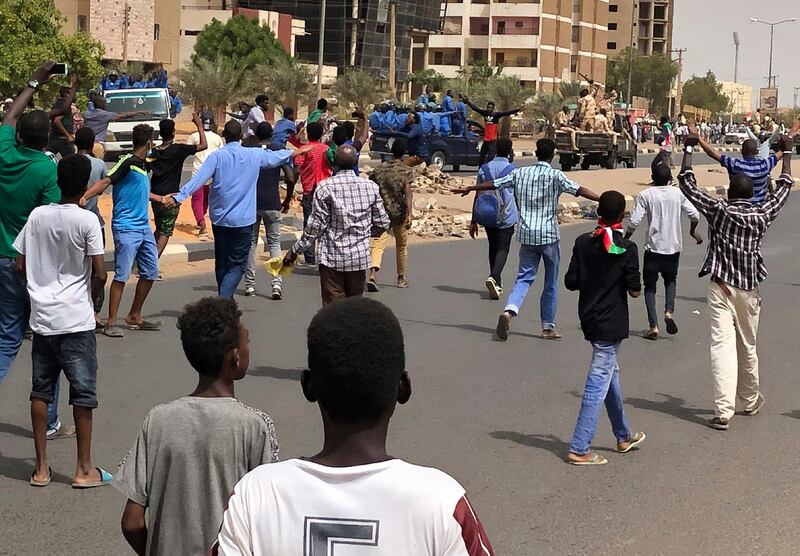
(375, 120)
(427, 122)
(400, 121)
(417, 142)
(460, 120)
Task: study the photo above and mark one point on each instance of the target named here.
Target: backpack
(490, 207)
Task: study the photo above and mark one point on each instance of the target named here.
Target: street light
(771, 35)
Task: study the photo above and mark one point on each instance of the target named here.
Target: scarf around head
(607, 232)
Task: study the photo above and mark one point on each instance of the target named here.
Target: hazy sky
(705, 28)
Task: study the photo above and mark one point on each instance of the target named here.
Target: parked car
(737, 136)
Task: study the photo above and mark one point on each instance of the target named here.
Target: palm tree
(508, 93)
(570, 91)
(546, 106)
(357, 87)
(214, 85)
(287, 82)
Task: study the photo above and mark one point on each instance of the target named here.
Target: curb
(586, 208)
(719, 149)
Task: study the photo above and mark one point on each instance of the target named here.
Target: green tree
(242, 41)
(212, 84)
(570, 91)
(357, 87)
(652, 76)
(705, 92)
(508, 93)
(287, 82)
(31, 33)
(546, 106)
(427, 76)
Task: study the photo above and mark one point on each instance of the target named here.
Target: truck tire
(585, 163)
(631, 162)
(611, 161)
(438, 160)
(797, 148)
(566, 166)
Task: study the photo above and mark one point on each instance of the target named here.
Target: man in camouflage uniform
(394, 182)
(587, 107)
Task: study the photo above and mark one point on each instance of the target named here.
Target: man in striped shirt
(751, 165)
(537, 189)
(736, 227)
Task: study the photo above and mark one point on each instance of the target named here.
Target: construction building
(543, 42)
(647, 23)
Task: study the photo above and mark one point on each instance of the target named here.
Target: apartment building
(741, 96)
(543, 42)
(648, 23)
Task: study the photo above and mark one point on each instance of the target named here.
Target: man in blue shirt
(284, 129)
(499, 236)
(232, 201)
(447, 106)
(424, 98)
(416, 141)
(460, 120)
(175, 104)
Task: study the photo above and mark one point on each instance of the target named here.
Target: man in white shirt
(663, 205)
(255, 116)
(58, 248)
(352, 492)
(213, 143)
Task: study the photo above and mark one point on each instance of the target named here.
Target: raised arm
(66, 106)
(21, 102)
(198, 123)
(482, 111)
(709, 150)
(499, 115)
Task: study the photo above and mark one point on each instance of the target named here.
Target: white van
(119, 139)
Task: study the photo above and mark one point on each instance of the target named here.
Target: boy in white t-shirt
(352, 492)
(213, 143)
(59, 247)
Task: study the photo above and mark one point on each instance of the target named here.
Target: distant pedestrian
(605, 270)
(346, 209)
(313, 167)
(255, 116)
(490, 128)
(191, 452)
(62, 127)
(213, 143)
(285, 128)
(322, 116)
(232, 203)
(663, 206)
(497, 212)
(175, 103)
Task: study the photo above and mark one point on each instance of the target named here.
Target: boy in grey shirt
(191, 452)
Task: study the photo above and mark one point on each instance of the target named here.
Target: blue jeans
(309, 254)
(76, 355)
(529, 257)
(602, 385)
(231, 252)
(15, 310)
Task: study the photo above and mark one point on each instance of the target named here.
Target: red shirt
(490, 132)
(314, 167)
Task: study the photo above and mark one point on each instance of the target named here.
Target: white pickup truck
(119, 139)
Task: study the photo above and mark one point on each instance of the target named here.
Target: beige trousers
(378, 244)
(734, 361)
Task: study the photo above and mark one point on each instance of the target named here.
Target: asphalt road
(496, 416)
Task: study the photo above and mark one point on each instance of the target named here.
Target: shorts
(138, 245)
(76, 355)
(164, 218)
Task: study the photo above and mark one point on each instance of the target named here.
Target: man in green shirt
(28, 176)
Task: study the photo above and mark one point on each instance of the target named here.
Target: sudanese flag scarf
(606, 231)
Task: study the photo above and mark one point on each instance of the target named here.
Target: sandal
(633, 443)
(44, 483)
(595, 459)
(105, 480)
(550, 334)
(147, 325)
(672, 327)
(650, 335)
(113, 332)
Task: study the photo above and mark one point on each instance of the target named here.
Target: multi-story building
(543, 42)
(741, 96)
(647, 23)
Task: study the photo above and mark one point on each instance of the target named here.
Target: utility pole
(795, 98)
(679, 52)
(771, 80)
(736, 58)
(353, 33)
(630, 59)
(392, 39)
(321, 47)
(126, 22)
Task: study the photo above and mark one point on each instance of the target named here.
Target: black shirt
(66, 121)
(167, 165)
(603, 281)
(268, 195)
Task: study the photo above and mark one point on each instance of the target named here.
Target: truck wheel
(631, 162)
(797, 148)
(585, 163)
(566, 166)
(741, 140)
(611, 161)
(438, 160)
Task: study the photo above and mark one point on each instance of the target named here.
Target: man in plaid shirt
(345, 210)
(735, 230)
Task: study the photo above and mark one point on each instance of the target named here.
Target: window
(452, 25)
(613, 8)
(573, 63)
(191, 33)
(156, 31)
(499, 58)
(82, 24)
(501, 27)
(611, 46)
(519, 24)
(380, 28)
(438, 57)
(576, 33)
(612, 26)
(478, 55)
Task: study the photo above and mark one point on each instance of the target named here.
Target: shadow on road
(453, 289)
(690, 298)
(676, 407)
(471, 327)
(20, 469)
(172, 313)
(8, 428)
(548, 442)
(275, 372)
(793, 414)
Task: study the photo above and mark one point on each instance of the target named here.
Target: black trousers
(488, 152)
(499, 245)
(666, 266)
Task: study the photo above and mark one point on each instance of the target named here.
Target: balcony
(515, 41)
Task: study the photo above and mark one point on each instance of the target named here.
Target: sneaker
(494, 289)
(672, 327)
(249, 291)
(402, 282)
(55, 429)
(550, 334)
(277, 293)
(503, 324)
(719, 423)
(756, 408)
(372, 286)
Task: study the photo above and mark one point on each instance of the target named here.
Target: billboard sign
(768, 100)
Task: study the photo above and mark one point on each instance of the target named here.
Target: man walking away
(191, 452)
(394, 184)
(537, 189)
(663, 205)
(59, 248)
(497, 212)
(346, 208)
(166, 163)
(734, 261)
(491, 121)
(269, 209)
(232, 203)
(256, 115)
(133, 238)
(605, 270)
(356, 361)
(313, 167)
(62, 126)
(213, 143)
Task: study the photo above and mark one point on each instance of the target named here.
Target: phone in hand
(59, 68)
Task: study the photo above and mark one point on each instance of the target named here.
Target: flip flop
(36, 483)
(596, 459)
(672, 327)
(550, 334)
(634, 442)
(113, 332)
(105, 480)
(650, 335)
(147, 325)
